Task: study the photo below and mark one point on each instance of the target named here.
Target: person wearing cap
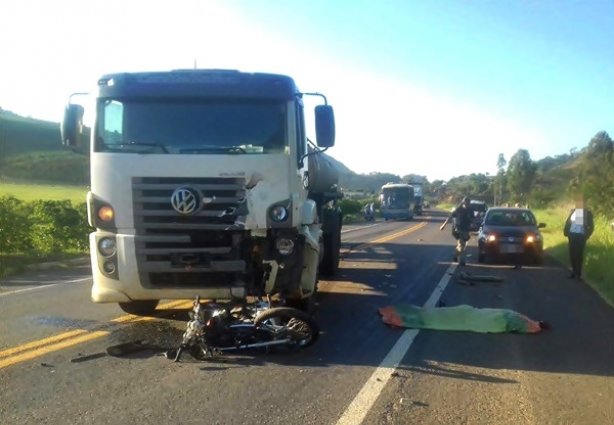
(579, 227)
(462, 216)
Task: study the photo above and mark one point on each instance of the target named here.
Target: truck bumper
(125, 284)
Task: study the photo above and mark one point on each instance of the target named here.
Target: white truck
(203, 183)
(418, 198)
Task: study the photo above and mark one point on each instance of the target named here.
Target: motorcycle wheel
(300, 326)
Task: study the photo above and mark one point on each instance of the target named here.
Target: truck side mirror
(325, 126)
(72, 126)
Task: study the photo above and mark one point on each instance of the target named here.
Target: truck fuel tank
(323, 174)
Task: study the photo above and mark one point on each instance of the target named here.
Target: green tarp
(459, 318)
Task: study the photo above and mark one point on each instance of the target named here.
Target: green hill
(20, 135)
(31, 151)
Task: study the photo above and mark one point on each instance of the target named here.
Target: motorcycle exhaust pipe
(256, 345)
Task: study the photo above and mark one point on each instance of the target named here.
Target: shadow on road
(580, 341)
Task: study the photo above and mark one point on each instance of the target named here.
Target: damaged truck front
(203, 182)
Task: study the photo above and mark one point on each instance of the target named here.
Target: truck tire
(330, 262)
(306, 305)
(140, 308)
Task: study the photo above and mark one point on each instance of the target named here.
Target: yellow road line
(29, 355)
(165, 306)
(41, 342)
(33, 349)
(391, 237)
(399, 234)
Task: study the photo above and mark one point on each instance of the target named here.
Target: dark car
(478, 210)
(510, 233)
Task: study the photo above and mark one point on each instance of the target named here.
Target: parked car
(509, 233)
(479, 209)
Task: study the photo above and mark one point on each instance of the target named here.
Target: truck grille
(199, 250)
(153, 209)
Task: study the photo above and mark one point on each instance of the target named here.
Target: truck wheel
(140, 308)
(307, 305)
(330, 263)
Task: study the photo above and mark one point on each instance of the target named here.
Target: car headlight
(533, 238)
(279, 213)
(285, 246)
(491, 238)
(106, 246)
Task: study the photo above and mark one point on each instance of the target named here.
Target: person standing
(462, 216)
(579, 227)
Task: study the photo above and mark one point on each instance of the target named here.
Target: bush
(350, 206)
(56, 227)
(42, 227)
(14, 225)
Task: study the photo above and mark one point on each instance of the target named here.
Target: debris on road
(479, 277)
(47, 365)
(460, 318)
(86, 357)
(127, 348)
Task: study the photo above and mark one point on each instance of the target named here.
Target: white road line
(361, 227)
(84, 279)
(364, 400)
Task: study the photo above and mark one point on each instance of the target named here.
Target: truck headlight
(531, 239)
(106, 246)
(491, 238)
(285, 246)
(106, 213)
(279, 213)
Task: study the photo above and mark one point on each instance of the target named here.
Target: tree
(414, 179)
(596, 179)
(600, 146)
(499, 180)
(520, 175)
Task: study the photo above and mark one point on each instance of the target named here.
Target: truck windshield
(190, 127)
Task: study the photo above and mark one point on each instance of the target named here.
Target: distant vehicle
(510, 233)
(397, 201)
(479, 209)
(418, 199)
(369, 212)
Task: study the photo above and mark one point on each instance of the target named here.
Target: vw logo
(185, 200)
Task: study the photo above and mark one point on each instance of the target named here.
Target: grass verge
(33, 192)
(599, 253)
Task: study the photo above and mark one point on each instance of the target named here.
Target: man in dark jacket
(579, 227)
(462, 216)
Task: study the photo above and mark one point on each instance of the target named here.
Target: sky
(435, 88)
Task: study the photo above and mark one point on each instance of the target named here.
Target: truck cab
(203, 183)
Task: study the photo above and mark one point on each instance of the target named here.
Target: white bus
(397, 201)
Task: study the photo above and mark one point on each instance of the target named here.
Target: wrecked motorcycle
(214, 328)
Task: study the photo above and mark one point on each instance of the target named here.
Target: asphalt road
(359, 371)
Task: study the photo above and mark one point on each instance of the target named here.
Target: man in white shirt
(578, 228)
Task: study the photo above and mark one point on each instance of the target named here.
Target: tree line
(589, 171)
(520, 179)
